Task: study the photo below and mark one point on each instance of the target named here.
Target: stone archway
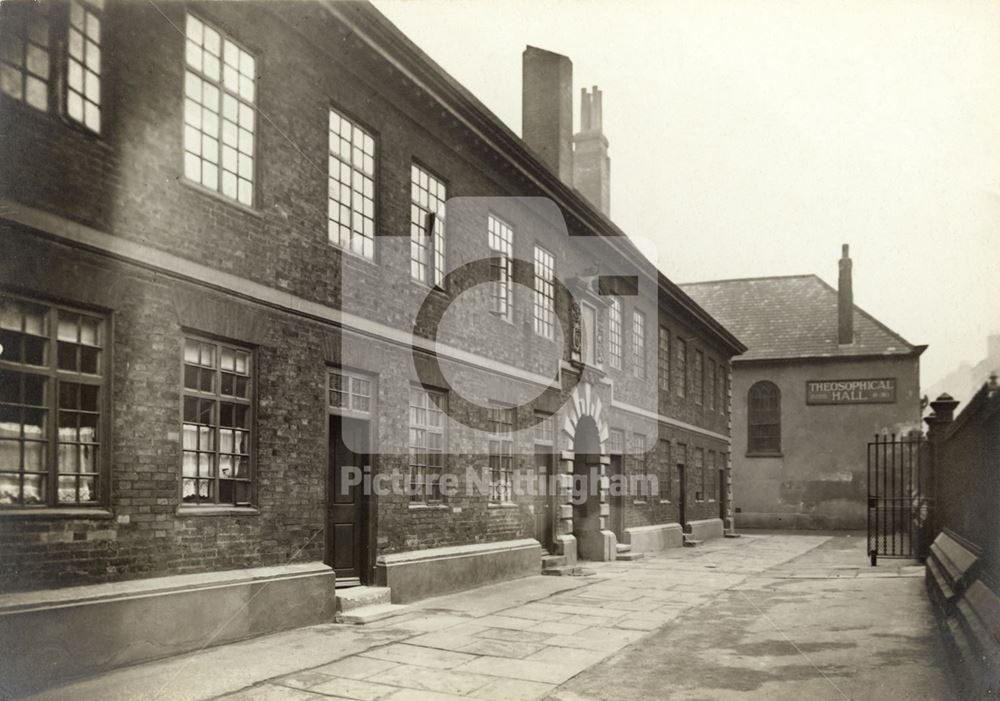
(582, 529)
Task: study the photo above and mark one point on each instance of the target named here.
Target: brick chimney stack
(547, 109)
(591, 164)
(845, 300)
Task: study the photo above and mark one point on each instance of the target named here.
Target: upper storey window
(25, 52)
(427, 198)
(764, 418)
(501, 243)
(219, 113)
(83, 64)
(545, 300)
(352, 186)
(615, 352)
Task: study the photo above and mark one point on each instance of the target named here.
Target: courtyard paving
(764, 616)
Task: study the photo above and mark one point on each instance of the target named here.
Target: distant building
(965, 380)
(820, 379)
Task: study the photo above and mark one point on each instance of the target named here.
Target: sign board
(876, 391)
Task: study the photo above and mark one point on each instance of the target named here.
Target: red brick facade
(108, 223)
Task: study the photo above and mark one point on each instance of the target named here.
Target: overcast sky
(753, 138)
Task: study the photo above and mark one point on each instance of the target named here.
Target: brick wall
(128, 182)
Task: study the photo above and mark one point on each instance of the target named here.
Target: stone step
(549, 561)
(568, 571)
(369, 614)
(358, 597)
(624, 547)
(629, 556)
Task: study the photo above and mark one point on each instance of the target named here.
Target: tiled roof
(791, 317)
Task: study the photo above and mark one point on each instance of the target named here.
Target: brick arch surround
(596, 542)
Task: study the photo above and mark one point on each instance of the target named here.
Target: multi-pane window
(638, 344)
(25, 52)
(682, 363)
(349, 392)
(545, 296)
(615, 340)
(639, 468)
(51, 403)
(699, 377)
(83, 63)
(351, 193)
(699, 471)
(764, 417)
(427, 198)
(426, 444)
(217, 399)
(544, 428)
(219, 114)
(710, 385)
(720, 388)
(710, 479)
(501, 455)
(500, 241)
(666, 471)
(663, 359)
(616, 441)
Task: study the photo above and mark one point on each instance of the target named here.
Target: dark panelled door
(545, 515)
(347, 517)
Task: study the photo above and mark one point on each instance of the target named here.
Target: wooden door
(347, 505)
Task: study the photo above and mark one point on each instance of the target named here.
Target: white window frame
(501, 452)
(500, 239)
(427, 419)
(545, 299)
(358, 391)
(428, 195)
(83, 63)
(616, 351)
(638, 344)
(351, 187)
(220, 112)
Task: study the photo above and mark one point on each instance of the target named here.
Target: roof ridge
(748, 279)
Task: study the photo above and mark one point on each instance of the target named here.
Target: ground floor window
(427, 411)
(218, 423)
(52, 404)
(501, 453)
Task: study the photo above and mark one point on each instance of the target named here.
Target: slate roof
(792, 317)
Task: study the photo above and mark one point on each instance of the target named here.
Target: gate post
(937, 421)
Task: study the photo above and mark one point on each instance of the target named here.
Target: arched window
(764, 414)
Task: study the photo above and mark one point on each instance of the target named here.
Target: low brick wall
(54, 635)
(422, 573)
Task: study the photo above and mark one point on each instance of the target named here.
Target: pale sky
(753, 138)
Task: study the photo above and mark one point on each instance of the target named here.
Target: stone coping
(454, 551)
(152, 586)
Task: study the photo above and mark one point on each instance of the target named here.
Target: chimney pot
(591, 164)
(845, 299)
(547, 109)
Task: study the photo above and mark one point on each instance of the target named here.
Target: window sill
(56, 512)
(429, 507)
(504, 505)
(666, 501)
(639, 502)
(765, 455)
(420, 284)
(349, 257)
(192, 510)
(218, 196)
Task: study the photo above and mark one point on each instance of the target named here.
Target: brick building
(220, 226)
(820, 379)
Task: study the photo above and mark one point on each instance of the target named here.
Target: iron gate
(898, 503)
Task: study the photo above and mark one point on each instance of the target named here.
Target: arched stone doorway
(583, 529)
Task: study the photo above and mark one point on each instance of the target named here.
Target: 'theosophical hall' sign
(877, 391)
